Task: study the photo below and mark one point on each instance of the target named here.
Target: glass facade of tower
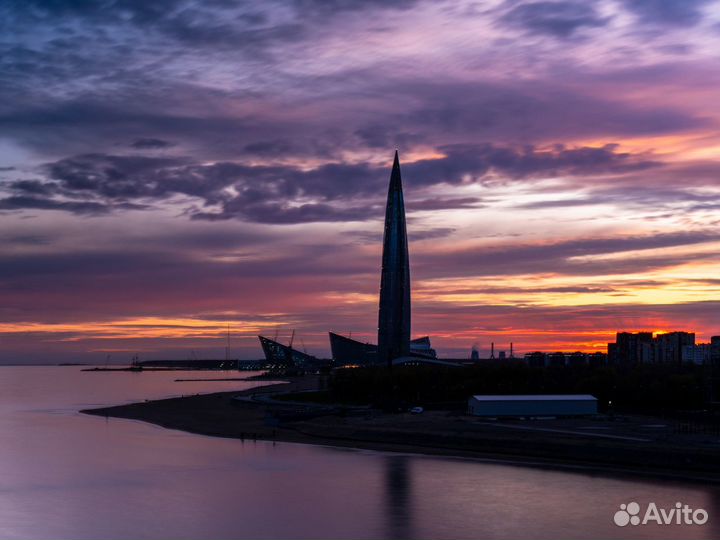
(394, 312)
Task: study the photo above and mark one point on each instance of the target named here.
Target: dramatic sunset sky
(168, 167)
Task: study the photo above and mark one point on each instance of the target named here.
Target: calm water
(66, 475)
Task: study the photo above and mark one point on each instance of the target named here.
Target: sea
(66, 475)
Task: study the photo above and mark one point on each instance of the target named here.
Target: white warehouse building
(533, 405)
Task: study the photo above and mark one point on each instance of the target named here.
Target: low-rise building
(533, 405)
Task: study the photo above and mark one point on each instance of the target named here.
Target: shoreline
(437, 434)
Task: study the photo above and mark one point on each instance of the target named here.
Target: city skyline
(164, 173)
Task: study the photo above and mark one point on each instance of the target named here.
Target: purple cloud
(560, 19)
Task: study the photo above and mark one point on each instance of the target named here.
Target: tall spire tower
(394, 317)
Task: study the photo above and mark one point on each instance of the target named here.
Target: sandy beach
(623, 445)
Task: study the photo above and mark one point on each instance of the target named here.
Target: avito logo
(629, 514)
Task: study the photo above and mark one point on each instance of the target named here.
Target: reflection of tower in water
(713, 509)
(398, 497)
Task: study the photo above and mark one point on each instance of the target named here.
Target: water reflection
(398, 497)
(713, 508)
(66, 475)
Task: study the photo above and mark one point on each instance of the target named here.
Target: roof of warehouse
(537, 397)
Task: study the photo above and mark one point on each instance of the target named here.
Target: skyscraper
(394, 316)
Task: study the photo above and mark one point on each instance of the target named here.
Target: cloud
(628, 194)
(529, 290)
(149, 143)
(33, 187)
(284, 214)
(561, 19)
(667, 12)
(19, 202)
(430, 234)
(530, 110)
(564, 258)
(26, 240)
(465, 162)
(240, 27)
(110, 175)
(163, 276)
(440, 203)
(367, 109)
(278, 147)
(562, 203)
(140, 12)
(248, 137)
(591, 323)
(286, 194)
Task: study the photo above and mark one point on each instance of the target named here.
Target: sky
(173, 167)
